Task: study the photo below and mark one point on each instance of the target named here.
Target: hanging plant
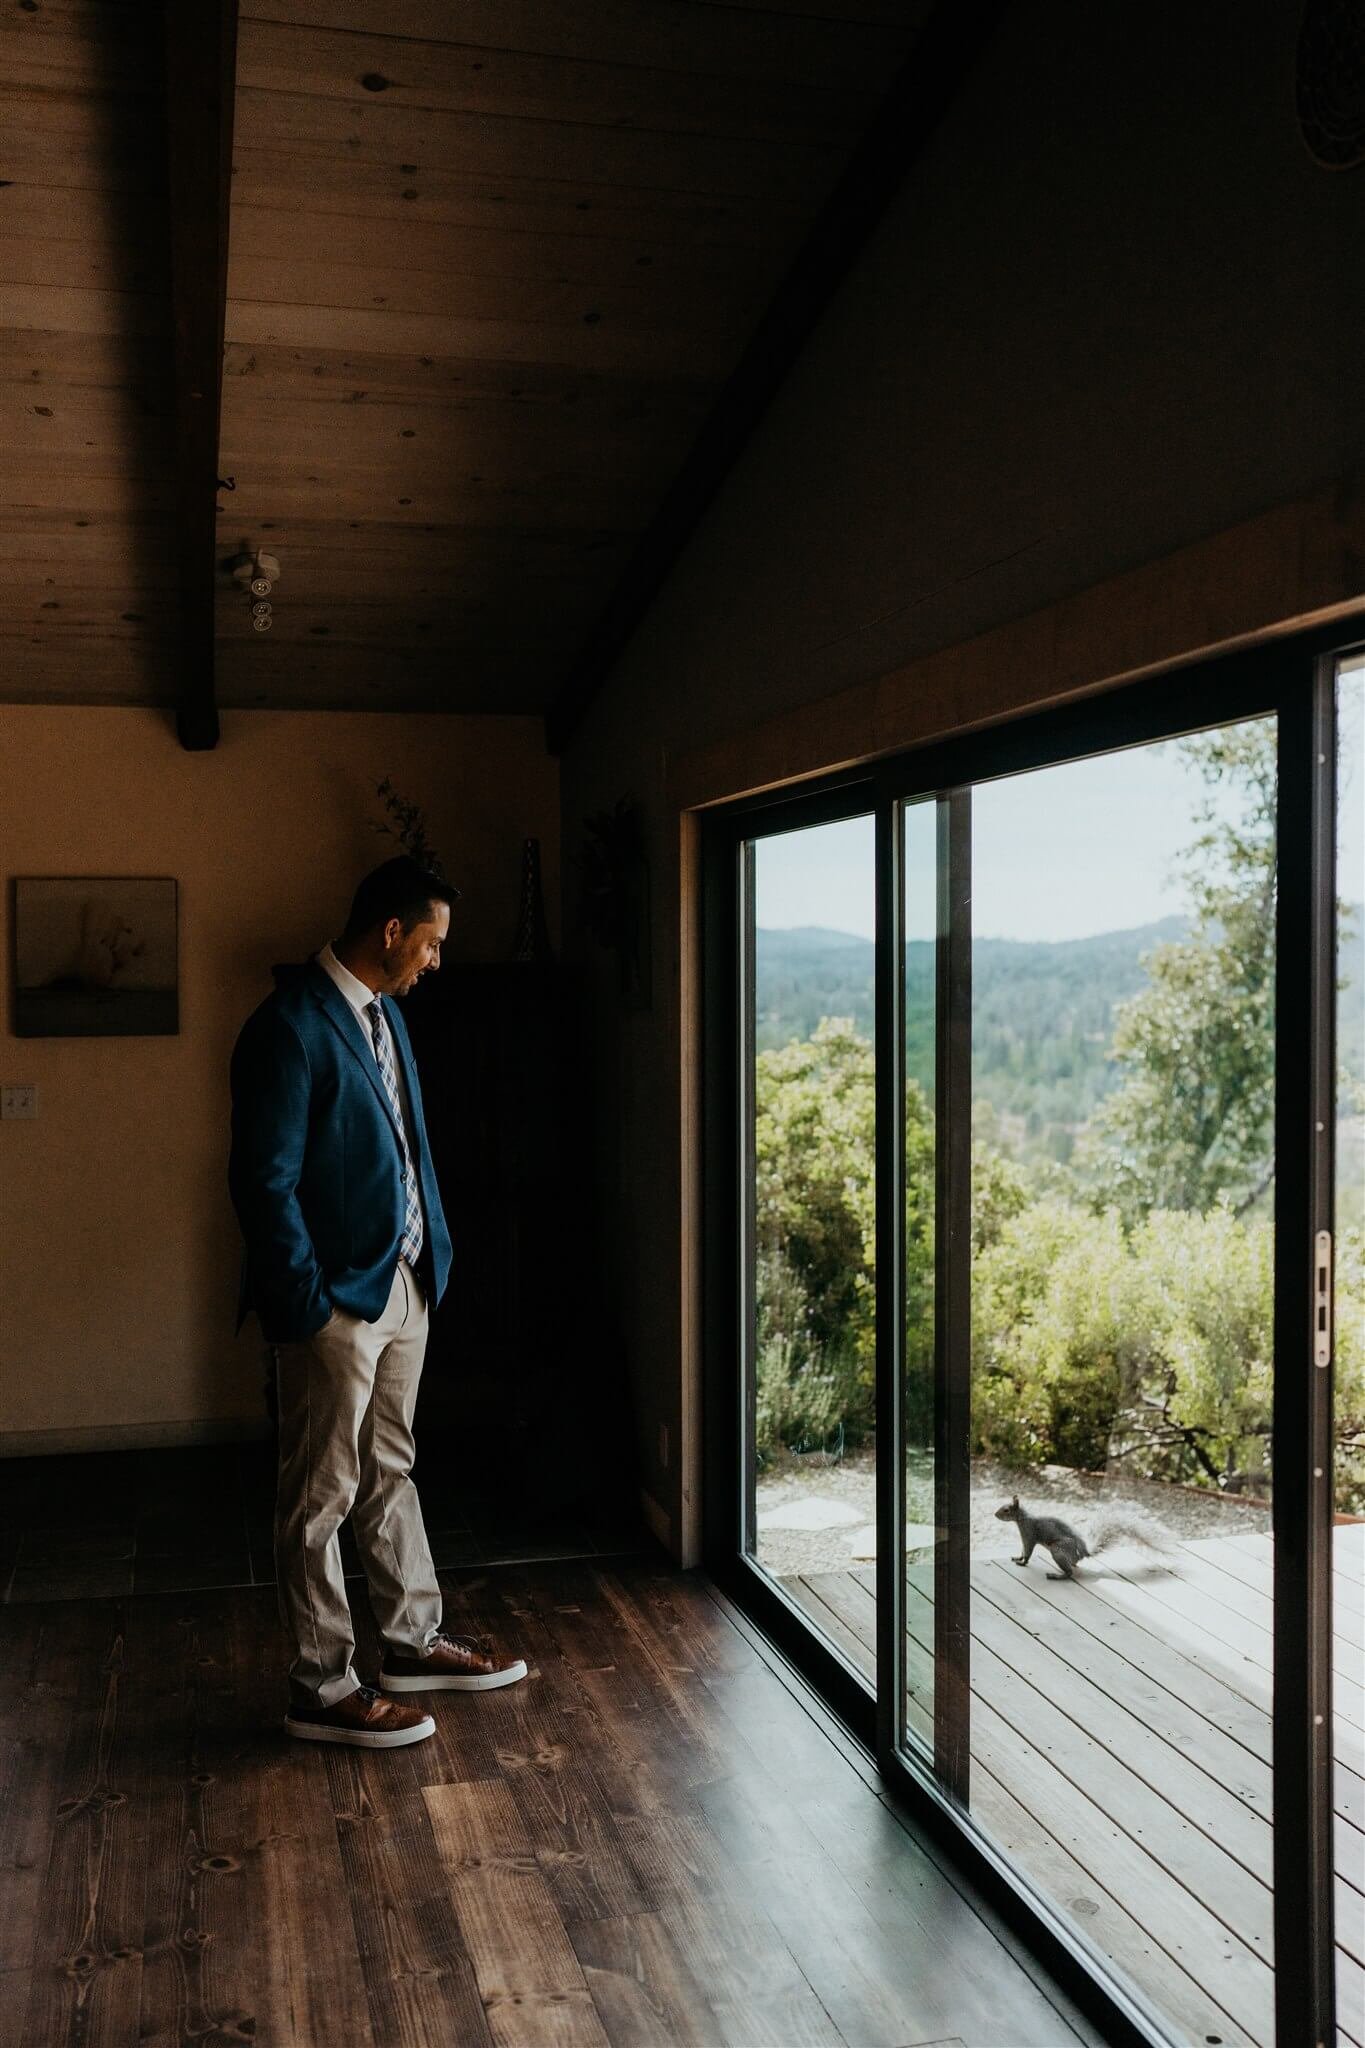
(407, 823)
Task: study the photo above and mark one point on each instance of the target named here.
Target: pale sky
(1061, 853)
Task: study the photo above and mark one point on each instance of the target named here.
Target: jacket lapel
(348, 1025)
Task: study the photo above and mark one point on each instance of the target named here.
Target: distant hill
(1042, 1013)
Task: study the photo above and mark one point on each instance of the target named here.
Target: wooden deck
(1121, 1753)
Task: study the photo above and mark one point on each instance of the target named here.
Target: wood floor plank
(529, 1978)
(756, 1990)
(667, 1732)
(87, 1962)
(682, 1606)
(201, 1921)
(39, 1672)
(566, 1807)
(1188, 1738)
(640, 1983)
(718, 1866)
(649, 1839)
(307, 1971)
(1349, 1852)
(419, 1978)
(883, 1977)
(913, 1897)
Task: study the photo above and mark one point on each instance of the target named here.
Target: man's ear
(393, 931)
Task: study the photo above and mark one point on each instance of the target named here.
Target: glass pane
(813, 1104)
(921, 1039)
(1348, 1535)
(1123, 1061)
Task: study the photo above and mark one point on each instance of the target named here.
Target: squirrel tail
(1126, 1532)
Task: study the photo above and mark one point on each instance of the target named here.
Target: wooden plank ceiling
(491, 263)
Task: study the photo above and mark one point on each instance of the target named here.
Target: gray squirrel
(1065, 1545)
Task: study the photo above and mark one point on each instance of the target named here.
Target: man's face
(409, 955)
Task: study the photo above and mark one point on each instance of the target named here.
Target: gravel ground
(1085, 1499)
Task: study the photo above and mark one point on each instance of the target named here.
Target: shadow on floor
(100, 1524)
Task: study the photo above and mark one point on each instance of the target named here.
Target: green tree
(1191, 1123)
(815, 1194)
(815, 1217)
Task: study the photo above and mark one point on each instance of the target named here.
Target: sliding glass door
(808, 1093)
(1035, 1084)
(1104, 1471)
(1344, 1317)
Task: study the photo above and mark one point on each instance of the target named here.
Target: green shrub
(809, 1395)
(1143, 1342)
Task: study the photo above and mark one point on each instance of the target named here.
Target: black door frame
(1293, 679)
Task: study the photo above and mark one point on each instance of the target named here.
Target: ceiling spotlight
(256, 570)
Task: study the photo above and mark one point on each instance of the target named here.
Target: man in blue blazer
(346, 1246)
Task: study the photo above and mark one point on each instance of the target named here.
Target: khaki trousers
(346, 1400)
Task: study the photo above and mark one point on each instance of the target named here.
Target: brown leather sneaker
(363, 1719)
(452, 1664)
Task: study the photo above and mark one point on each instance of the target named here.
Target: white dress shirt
(358, 993)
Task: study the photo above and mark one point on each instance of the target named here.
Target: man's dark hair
(401, 888)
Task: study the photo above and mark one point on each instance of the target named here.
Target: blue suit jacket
(316, 1172)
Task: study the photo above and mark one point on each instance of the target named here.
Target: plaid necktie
(412, 1207)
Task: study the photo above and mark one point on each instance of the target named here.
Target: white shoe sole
(452, 1682)
(359, 1738)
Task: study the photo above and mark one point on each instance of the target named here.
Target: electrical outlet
(18, 1099)
(663, 1445)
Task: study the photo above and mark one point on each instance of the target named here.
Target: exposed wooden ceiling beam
(952, 39)
(201, 71)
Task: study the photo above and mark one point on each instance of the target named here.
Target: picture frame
(95, 956)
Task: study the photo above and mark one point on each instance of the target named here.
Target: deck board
(1121, 1750)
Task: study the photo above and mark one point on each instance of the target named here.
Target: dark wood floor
(94, 1525)
(650, 1840)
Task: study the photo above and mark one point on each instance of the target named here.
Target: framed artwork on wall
(95, 956)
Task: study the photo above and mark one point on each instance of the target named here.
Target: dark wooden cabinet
(516, 1375)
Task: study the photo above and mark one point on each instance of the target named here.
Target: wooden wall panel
(515, 201)
(405, 240)
(791, 44)
(370, 130)
(86, 605)
(489, 268)
(487, 276)
(487, 78)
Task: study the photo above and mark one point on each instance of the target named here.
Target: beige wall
(1116, 308)
(118, 1248)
